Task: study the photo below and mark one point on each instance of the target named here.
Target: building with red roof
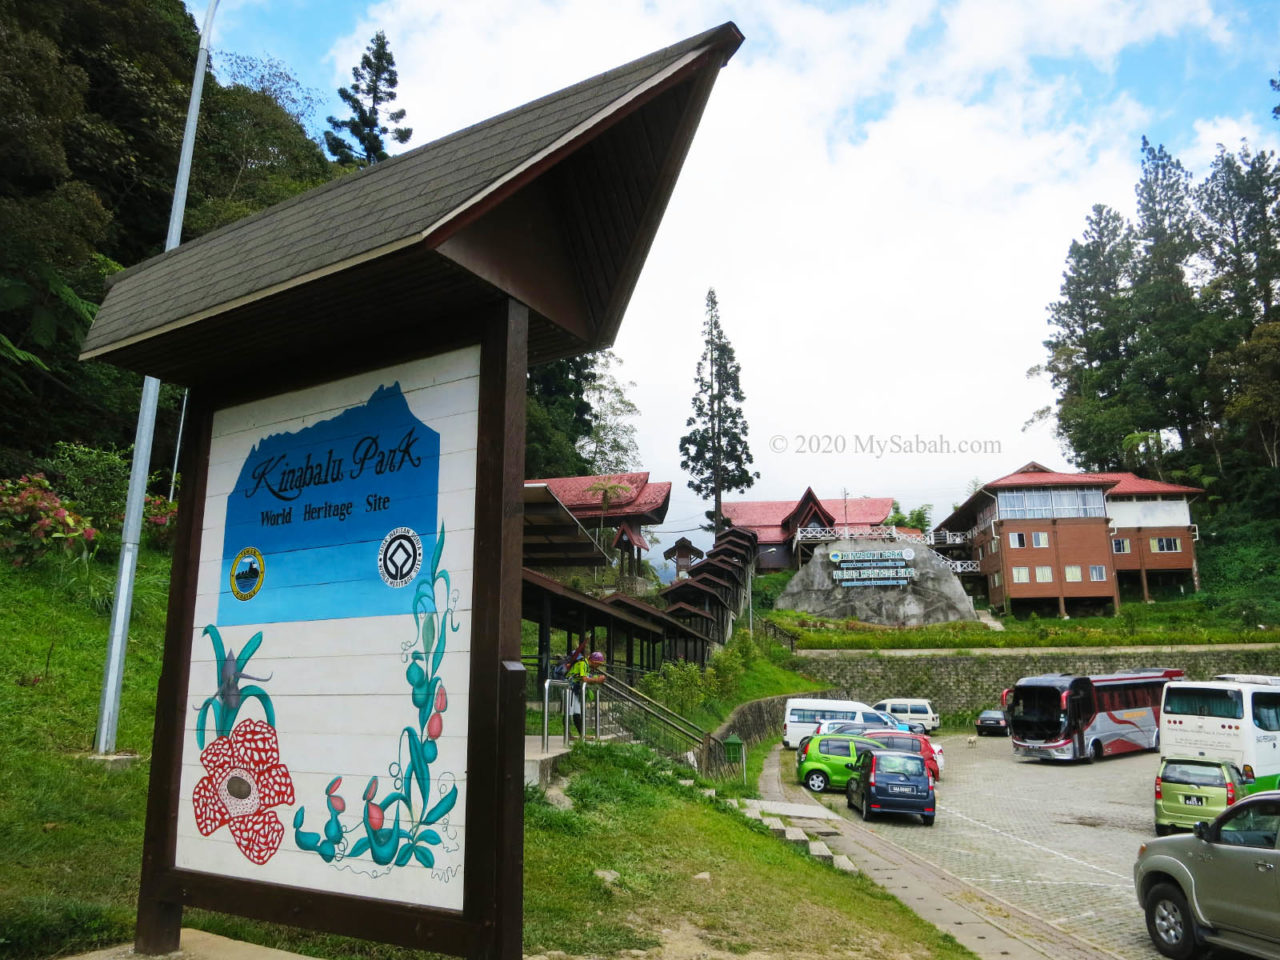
(1040, 538)
(778, 524)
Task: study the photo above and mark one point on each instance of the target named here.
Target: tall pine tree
(373, 84)
(715, 451)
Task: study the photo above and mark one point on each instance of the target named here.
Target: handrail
(546, 711)
(661, 710)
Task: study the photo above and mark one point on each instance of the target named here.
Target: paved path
(986, 924)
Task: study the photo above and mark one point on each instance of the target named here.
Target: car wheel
(848, 799)
(1095, 751)
(1163, 829)
(1169, 922)
(816, 781)
(926, 819)
(866, 807)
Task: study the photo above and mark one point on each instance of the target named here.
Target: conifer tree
(715, 451)
(374, 83)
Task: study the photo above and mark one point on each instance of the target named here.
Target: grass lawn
(69, 881)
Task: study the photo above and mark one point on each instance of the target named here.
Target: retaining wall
(762, 719)
(973, 681)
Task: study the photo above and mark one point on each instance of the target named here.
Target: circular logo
(908, 554)
(247, 572)
(400, 557)
(835, 556)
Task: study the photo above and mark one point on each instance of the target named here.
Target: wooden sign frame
(490, 922)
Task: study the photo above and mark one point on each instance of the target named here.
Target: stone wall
(969, 682)
(762, 719)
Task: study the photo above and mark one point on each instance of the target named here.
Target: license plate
(896, 789)
(1194, 801)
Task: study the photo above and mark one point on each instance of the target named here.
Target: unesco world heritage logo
(400, 557)
(247, 573)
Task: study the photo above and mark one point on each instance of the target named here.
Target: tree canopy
(715, 450)
(373, 84)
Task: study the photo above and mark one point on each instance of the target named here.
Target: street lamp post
(104, 742)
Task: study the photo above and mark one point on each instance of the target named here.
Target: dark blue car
(891, 781)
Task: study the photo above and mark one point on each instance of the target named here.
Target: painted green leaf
(253, 690)
(425, 856)
(403, 856)
(249, 650)
(443, 806)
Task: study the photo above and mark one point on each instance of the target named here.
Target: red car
(915, 743)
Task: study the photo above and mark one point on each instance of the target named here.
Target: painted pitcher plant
(399, 826)
(225, 704)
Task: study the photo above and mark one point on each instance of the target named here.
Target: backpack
(560, 669)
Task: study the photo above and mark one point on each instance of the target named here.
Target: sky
(882, 195)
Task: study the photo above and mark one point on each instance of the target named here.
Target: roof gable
(554, 203)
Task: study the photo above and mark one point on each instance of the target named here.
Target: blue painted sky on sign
(318, 505)
(885, 188)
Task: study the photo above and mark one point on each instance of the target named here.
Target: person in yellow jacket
(590, 670)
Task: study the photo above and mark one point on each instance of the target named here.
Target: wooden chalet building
(786, 531)
(1043, 539)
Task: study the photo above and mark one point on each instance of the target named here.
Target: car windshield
(991, 714)
(909, 766)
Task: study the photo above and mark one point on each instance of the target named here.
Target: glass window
(1097, 572)
(979, 553)
(835, 748)
(1266, 711)
(1253, 826)
(1044, 574)
(1120, 545)
(1066, 503)
(920, 708)
(1021, 574)
(1092, 504)
(1166, 544)
(995, 579)
(1071, 573)
(1017, 539)
(1040, 539)
(1204, 702)
(1039, 503)
(995, 544)
(1013, 504)
(1193, 773)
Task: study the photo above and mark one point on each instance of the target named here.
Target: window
(995, 545)
(979, 553)
(1097, 572)
(1017, 539)
(1204, 702)
(1120, 545)
(1021, 574)
(1266, 711)
(1253, 826)
(1044, 574)
(995, 579)
(835, 748)
(1071, 573)
(1040, 539)
(1166, 544)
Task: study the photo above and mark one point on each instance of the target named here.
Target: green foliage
(558, 417)
(715, 451)
(373, 84)
(95, 482)
(678, 685)
(767, 587)
(610, 446)
(34, 521)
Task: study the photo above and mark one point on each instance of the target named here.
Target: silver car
(1218, 886)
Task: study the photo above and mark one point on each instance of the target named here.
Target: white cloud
(882, 196)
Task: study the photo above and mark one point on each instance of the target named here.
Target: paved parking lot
(1057, 840)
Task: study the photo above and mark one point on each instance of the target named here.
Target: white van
(912, 710)
(801, 715)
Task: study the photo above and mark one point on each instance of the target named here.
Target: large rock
(877, 581)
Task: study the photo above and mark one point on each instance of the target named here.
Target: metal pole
(177, 446)
(122, 606)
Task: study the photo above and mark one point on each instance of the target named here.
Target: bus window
(1203, 702)
(1266, 711)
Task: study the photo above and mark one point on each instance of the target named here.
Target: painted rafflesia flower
(245, 778)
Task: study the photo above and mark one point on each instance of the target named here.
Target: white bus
(801, 716)
(1233, 717)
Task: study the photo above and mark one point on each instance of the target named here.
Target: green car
(1192, 789)
(827, 761)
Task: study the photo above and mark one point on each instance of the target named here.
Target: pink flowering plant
(159, 521)
(34, 521)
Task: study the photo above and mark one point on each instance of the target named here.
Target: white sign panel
(326, 734)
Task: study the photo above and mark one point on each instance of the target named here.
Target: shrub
(159, 522)
(34, 521)
(95, 483)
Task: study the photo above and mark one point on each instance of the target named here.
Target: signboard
(325, 740)
(873, 568)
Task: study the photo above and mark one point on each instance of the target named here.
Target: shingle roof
(417, 197)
